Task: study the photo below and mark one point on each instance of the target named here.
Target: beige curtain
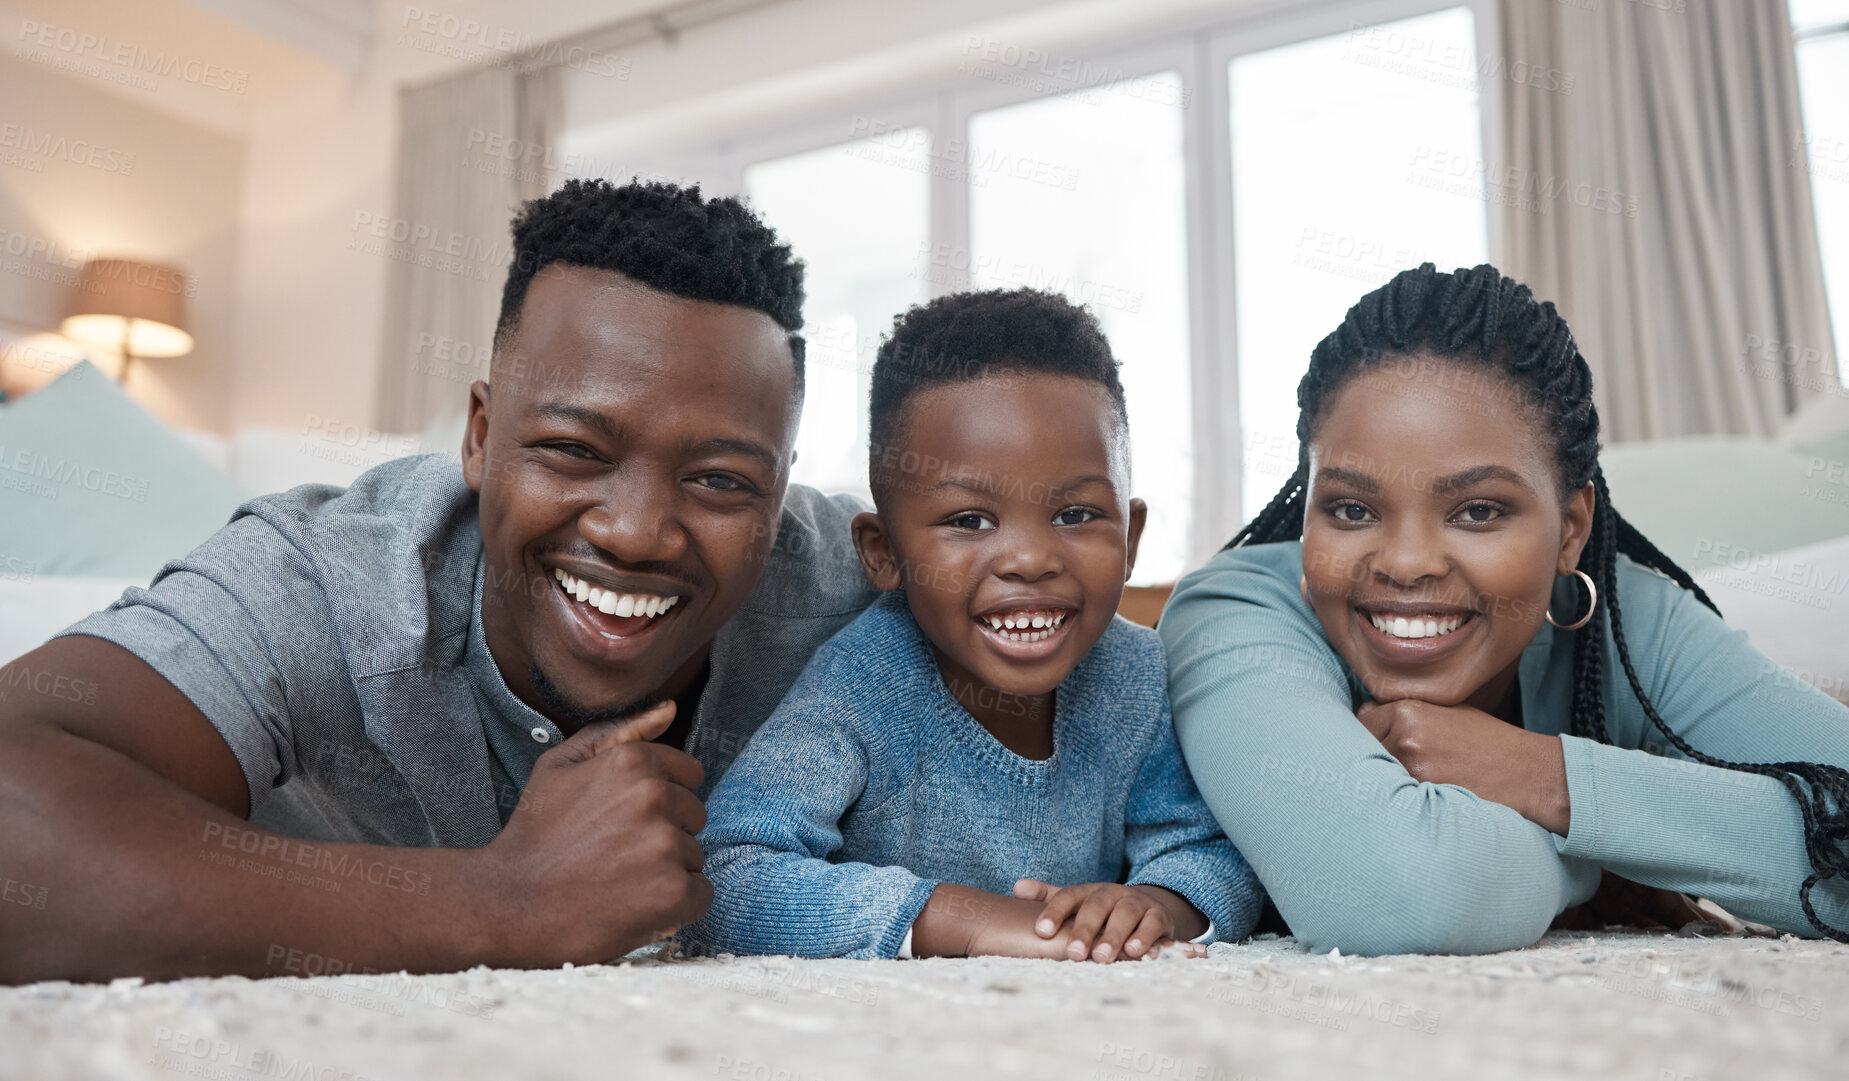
(471, 149)
(1652, 195)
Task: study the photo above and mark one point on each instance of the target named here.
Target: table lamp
(137, 309)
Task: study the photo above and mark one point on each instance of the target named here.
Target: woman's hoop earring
(1591, 591)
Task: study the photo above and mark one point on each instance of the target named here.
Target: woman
(1439, 684)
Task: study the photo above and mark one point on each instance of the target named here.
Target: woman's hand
(1466, 747)
(1108, 920)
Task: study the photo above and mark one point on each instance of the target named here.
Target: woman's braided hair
(1480, 317)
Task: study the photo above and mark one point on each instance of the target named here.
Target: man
(438, 719)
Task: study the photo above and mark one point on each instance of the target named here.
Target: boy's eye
(1074, 516)
(1479, 513)
(972, 522)
(1349, 512)
(570, 450)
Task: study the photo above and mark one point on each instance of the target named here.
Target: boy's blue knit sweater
(870, 785)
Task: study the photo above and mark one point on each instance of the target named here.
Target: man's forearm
(134, 876)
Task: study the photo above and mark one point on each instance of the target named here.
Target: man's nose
(637, 520)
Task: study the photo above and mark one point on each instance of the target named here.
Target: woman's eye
(1074, 516)
(972, 522)
(1349, 513)
(1480, 513)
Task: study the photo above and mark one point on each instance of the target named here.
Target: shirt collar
(511, 722)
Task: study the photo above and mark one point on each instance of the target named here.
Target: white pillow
(35, 607)
(1793, 606)
(265, 460)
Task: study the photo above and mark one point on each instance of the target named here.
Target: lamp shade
(139, 308)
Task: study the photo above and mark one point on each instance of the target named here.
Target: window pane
(1823, 86)
(1082, 194)
(1330, 140)
(858, 215)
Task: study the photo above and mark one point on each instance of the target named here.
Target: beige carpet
(1634, 1006)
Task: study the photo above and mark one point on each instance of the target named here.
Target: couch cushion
(91, 484)
(1713, 501)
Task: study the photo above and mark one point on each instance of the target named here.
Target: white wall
(258, 194)
(311, 320)
(84, 172)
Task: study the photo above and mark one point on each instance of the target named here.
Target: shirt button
(541, 736)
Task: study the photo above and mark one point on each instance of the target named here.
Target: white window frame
(1200, 52)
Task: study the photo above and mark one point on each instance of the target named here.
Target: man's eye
(571, 450)
(972, 522)
(1074, 516)
(724, 482)
(1349, 513)
(1480, 513)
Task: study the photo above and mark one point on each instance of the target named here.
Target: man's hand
(1496, 760)
(600, 856)
(1105, 920)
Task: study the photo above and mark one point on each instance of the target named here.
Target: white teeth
(1402, 627)
(610, 602)
(1025, 626)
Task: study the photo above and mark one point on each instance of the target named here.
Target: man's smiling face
(631, 457)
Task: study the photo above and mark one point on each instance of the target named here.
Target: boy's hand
(1109, 920)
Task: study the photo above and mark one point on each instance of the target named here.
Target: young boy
(989, 731)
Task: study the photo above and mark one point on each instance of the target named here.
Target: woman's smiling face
(1434, 527)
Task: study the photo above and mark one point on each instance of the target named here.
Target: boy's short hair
(965, 337)
(664, 236)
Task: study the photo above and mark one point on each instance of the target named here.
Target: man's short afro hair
(666, 237)
(965, 337)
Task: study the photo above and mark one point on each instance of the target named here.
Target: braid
(1477, 316)
(1282, 518)
(1599, 559)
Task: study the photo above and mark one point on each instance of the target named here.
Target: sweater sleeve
(774, 820)
(1734, 837)
(1355, 853)
(1172, 841)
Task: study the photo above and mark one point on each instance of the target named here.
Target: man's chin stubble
(571, 716)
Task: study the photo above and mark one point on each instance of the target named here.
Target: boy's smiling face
(1021, 514)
